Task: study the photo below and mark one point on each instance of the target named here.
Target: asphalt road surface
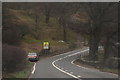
(62, 66)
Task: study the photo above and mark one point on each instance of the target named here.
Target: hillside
(51, 32)
(66, 26)
(20, 30)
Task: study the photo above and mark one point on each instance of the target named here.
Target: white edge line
(90, 69)
(63, 71)
(53, 56)
(79, 65)
(66, 57)
(34, 68)
(68, 52)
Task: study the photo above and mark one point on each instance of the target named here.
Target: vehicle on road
(33, 57)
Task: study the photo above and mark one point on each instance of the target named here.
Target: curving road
(62, 66)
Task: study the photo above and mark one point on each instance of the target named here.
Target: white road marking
(34, 68)
(79, 65)
(78, 76)
(90, 68)
(63, 70)
(73, 61)
(66, 53)
(59, 66)
(71, 72)
(66, 70)
(53, 63)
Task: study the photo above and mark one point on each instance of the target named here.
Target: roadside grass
(97, 66)
(23, 73)
(36, 45)
(115, 71)
(30, 40)
(103, 69)
(29, 44)
(51, 32)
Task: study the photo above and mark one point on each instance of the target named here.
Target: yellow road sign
(45, 45)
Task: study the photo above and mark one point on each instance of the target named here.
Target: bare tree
(97, 13)
(63, 11)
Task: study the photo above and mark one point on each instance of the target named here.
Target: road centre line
(63, 70)
(72, 62)
(66, 53)
(53, 63)
(34, 67)
(80, 66)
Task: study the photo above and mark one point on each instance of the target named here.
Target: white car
(33, 57)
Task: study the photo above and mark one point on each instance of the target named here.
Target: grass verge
(24, 73)
(103, 69)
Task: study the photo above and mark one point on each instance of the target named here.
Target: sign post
(46, 47)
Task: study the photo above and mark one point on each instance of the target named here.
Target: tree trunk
(63, 23)
(37, 36)
(47, 15)
(94, 41)
(64, 32)
(93, 44)
(109, 48)
(106, 51)
(36, 22)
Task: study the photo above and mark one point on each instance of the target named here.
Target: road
(62, 66)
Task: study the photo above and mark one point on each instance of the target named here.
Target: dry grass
(97, 66)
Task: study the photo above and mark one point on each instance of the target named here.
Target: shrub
(14, 58)
(14, 29)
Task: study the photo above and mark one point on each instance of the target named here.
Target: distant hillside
(50, 31)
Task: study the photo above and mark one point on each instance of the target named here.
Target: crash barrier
(112, 62)
(87, 52)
